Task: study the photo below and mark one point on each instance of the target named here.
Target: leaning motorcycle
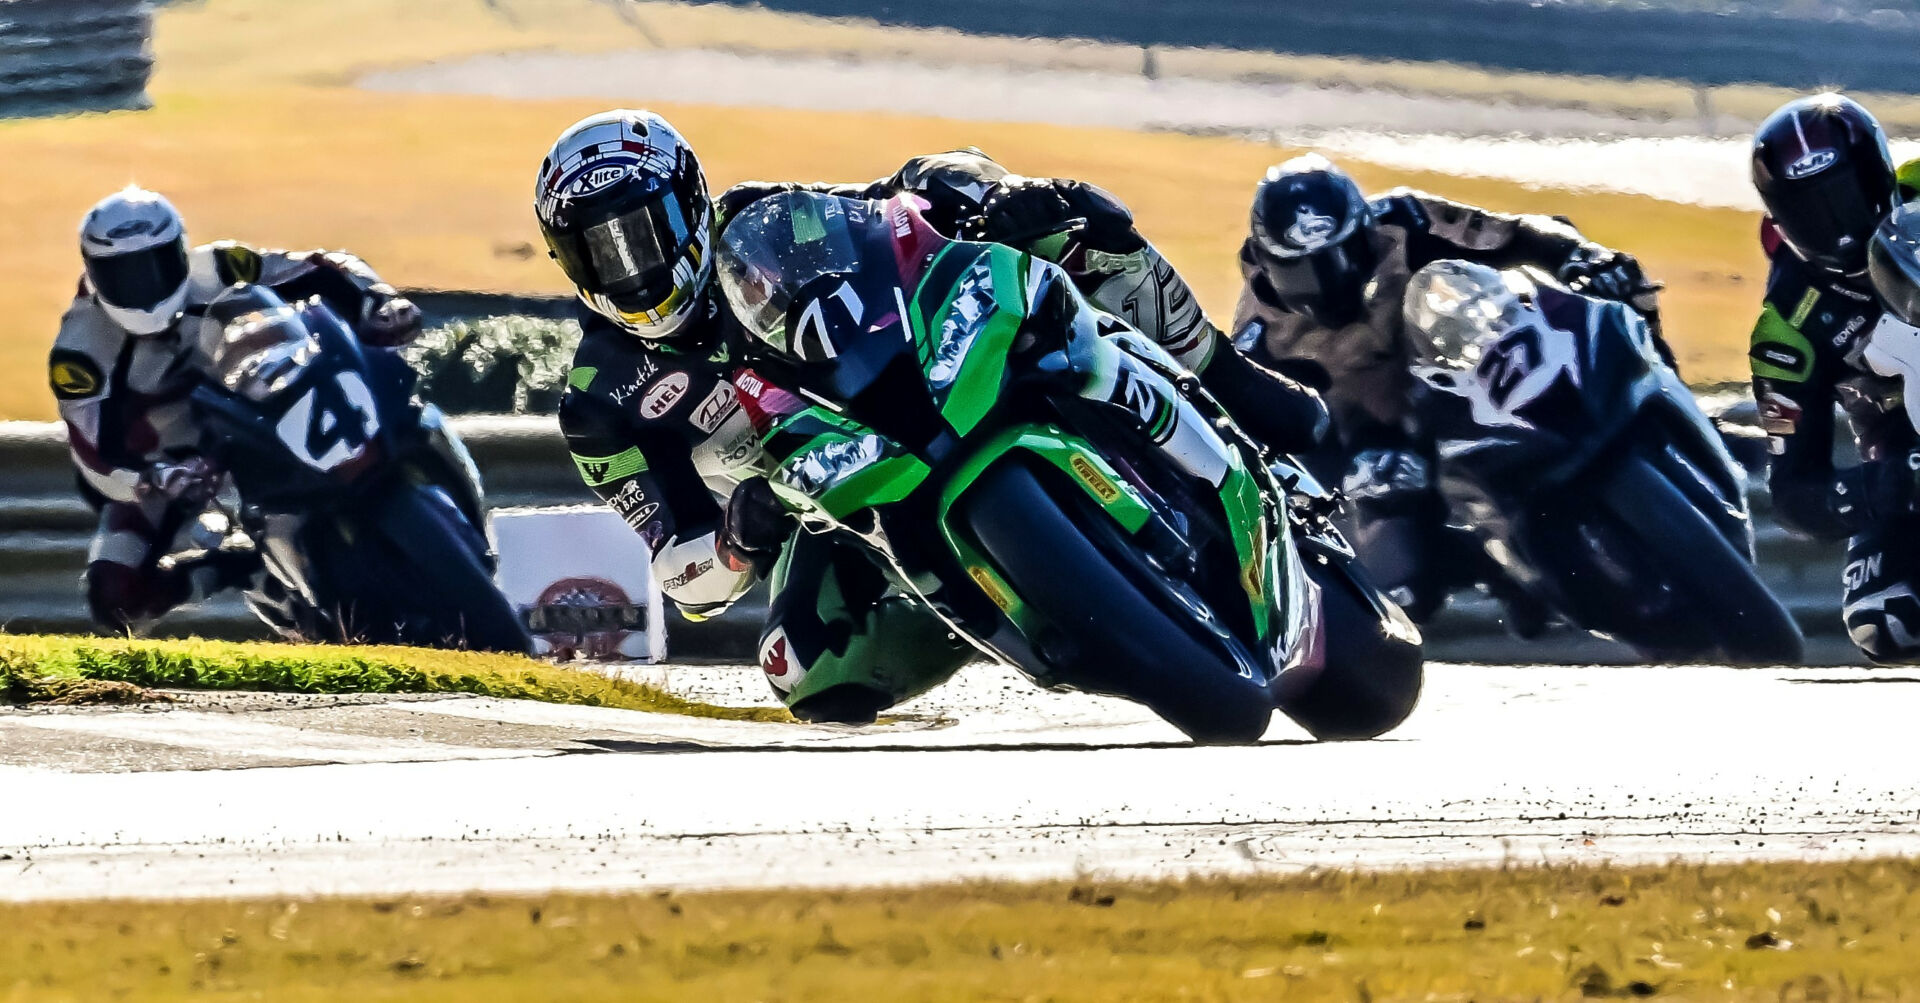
(363, 508)
(1587, 469)
(950, 436)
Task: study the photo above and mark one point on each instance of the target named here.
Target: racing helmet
(134, 246)
(1312, 238)
(625, 212)
(1821, 166)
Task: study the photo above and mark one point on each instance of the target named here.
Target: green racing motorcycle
(1051, 483)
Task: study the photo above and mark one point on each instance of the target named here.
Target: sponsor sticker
(664, 394)
(584, 617)
(686, 576)
(1813, 163)
(1310, 230)
(715, 408)
(1091, 476)
(599, 176)
(73, 375)
(990, 584)
(777, 661)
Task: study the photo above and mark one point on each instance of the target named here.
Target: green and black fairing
(937, 366)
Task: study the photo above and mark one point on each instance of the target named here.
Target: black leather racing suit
(1379, 452)
(1806, 358)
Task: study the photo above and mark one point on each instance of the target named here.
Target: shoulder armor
(1401, 207)
(1908, 177)
(233, 261)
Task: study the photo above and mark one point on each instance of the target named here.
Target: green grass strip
(49, 668)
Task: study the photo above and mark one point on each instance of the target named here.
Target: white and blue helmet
(625, 212)
(135, 249)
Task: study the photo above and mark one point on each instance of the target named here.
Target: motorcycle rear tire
(1372, 676)
(1124, 643)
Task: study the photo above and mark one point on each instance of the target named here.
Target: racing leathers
(130, 428)
(1807, 357)
(1379, 452)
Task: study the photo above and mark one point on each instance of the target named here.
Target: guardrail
(74, 55)
(44, 529)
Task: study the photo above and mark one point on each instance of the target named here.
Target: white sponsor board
(583, 583)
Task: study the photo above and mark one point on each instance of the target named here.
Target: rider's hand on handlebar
(390, 320)
(1612, 275)
(754, 527)
(193, 481)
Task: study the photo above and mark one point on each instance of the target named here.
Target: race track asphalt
(988, 777)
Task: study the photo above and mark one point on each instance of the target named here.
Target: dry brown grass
(1752, 932)
(255, 136)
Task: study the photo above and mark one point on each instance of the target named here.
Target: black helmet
(1893, 260)
(1821, 166)
(1312, 236)
(625, 211)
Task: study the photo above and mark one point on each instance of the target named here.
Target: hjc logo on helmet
(1813, 163)
(1310, 230)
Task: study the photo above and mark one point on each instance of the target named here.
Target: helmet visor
(778, 245)
(629, 258)
(1828, 219)
(1327, 284)
(139, 280)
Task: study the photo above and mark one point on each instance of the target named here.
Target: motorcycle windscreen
(257, 354)
(779, 245)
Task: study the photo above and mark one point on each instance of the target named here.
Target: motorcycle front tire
(1121, 641)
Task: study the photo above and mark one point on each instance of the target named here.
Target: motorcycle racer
(1326, 269)
(662, 419)
(125, 359)
(1822, 168)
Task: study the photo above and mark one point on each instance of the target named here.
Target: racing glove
(754, 527)
(1610, 274)
(1023, 210)
(388, 319)
(192, 481)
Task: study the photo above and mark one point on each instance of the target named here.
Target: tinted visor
(1828, 219)
(139, 280)
(628, 258)
(1327, 284)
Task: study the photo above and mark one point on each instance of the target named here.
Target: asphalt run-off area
(241, 795)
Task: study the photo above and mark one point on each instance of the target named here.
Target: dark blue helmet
(1313, 239)
(1821, 166)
